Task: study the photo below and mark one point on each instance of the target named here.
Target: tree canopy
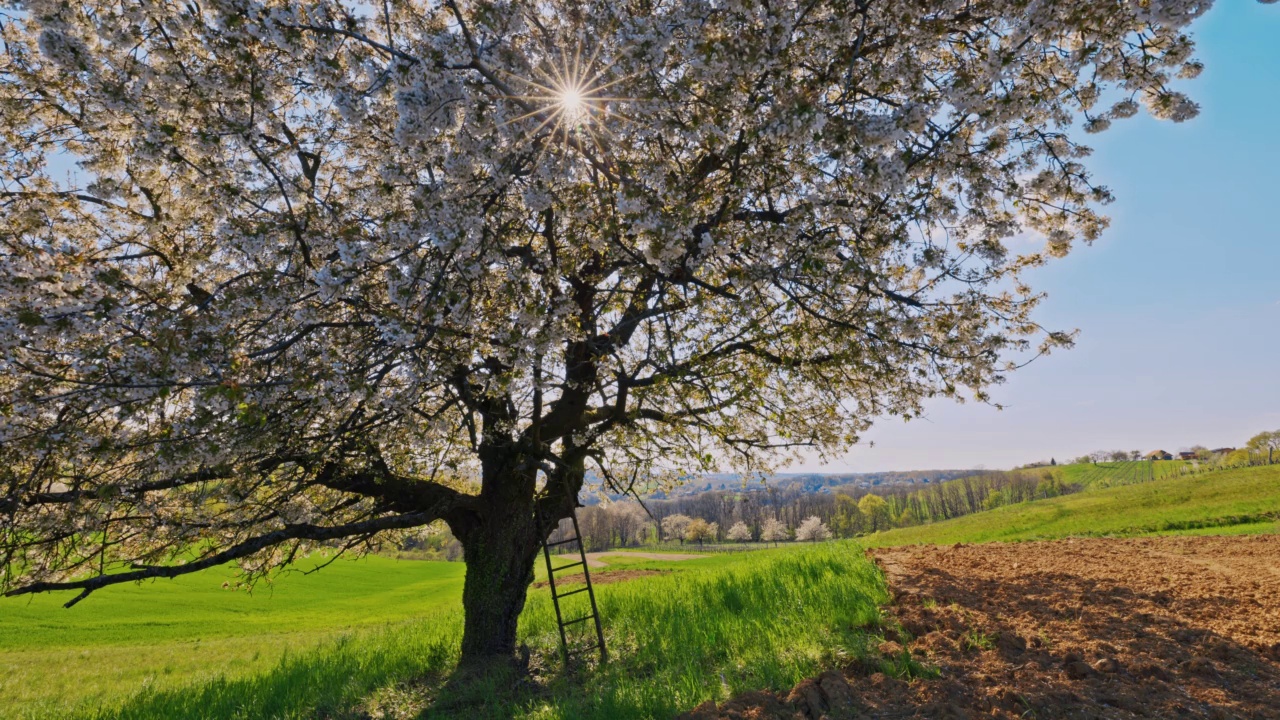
(773, 530)
(285, 272)
(812, 529)
(1264, 441)
(739, 532)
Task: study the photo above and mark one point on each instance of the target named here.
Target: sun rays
(567, 96)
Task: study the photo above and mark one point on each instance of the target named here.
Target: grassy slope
(1241, 500)
(133, 636)
(1111, 474)
(197, 606)
(336, 642)
(714, 625)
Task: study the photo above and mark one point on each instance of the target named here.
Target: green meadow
(378, 637)
(1112, 474)
(1242, 500)
(130, 637)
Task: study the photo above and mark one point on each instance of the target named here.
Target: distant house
(1188, 455)
(1223, 451)
(1159, 455)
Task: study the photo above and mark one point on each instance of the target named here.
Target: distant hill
(1239, 500)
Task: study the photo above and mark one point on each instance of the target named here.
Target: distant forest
(808, 482)
(851, 505)
(846, 509)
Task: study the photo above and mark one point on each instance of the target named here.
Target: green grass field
(1243, 500)
(134, 636)
(1114, 474)
(343, 642)
(378, 637)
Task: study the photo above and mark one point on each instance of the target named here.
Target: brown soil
(600, 578)
(596, 559)
(1098, 628)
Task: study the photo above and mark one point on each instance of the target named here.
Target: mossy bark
(499, 554)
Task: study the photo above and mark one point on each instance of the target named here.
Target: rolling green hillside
(342, 643)
(376, 635)
(1112, 474)
(1231, 501)
(149, 635)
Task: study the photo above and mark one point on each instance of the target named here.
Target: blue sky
(1178, 305)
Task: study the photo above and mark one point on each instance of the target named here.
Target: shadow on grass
(400, 673)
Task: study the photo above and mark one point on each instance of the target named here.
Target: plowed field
(1185, 627)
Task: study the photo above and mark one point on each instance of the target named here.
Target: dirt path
(1100, 628)
(564, 581)
(593, 559)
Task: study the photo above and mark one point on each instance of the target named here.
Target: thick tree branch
(396, 492)
(102, 491)
(243, 549)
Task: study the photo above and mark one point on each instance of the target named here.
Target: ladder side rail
(555, 601)
(591, 593)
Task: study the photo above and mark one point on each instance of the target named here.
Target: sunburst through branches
(570, 100)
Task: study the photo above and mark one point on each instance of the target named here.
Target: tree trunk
(500, 553)
(501, 541)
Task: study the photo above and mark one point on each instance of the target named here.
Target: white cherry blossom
(275, 274)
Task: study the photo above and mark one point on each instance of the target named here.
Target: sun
(574, 106)
(572, 103)
(568, 96)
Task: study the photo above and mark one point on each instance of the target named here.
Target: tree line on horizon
(773, 514)
(1258, 450)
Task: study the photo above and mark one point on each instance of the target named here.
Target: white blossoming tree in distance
(812, 529)
(739, 532)
(773, 531)
(276, 273)
(673, 526)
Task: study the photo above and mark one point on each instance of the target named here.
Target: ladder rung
(572, 592)
(562, 542)
(575, 621)
(575, 651)
(563, 567)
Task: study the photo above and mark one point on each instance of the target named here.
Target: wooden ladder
(594, 614)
